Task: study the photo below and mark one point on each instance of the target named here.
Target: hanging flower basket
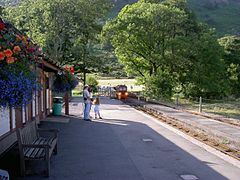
(17, 84)
(64, 82)
(18, 78)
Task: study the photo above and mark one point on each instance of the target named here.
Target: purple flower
(17, 84)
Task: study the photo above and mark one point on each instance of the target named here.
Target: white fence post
(200, 104)
(138, 97)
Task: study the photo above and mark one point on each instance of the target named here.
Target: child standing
(96, 108)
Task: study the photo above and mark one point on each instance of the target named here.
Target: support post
(66, 98)
(84, 78)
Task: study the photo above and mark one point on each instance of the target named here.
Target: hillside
(220, 14)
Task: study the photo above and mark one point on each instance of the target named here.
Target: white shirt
(86, 94)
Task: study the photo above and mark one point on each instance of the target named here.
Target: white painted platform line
(188, 177)
(147, 140)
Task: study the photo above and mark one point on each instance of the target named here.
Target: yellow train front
(121, 92)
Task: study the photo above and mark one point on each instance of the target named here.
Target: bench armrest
(36, 146)
(54, 131)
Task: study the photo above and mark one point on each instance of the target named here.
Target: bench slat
(29, 151)
(32, 152)
(38, 151)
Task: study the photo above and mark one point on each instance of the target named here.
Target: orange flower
(2, 56)
(16, 49)
(24, 39)
(8, 53)
(10, 60)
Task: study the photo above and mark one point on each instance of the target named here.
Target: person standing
(97, 108)
(87, 103)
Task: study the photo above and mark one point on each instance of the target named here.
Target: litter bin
(57, 106)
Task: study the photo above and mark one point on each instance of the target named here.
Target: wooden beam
(53, 67)
(66, 98)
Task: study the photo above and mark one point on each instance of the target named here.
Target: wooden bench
(34, 147)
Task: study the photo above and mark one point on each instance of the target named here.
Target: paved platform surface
(127, 145)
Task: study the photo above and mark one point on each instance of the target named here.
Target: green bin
(57, 106)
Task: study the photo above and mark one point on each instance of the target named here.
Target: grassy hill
(224, 15)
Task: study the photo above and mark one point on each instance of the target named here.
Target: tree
(66, 29)
(1, 10)
(231, 45)
(157, 39)
(206, 75)
(92, 82)
(138, 35)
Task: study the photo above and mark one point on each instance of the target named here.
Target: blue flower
(17, 84)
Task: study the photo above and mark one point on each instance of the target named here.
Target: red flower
(71, 69)
(8, 53)
(10, 60)
(2, 25)
(2, 56)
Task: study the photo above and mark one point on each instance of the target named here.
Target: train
(121, 92)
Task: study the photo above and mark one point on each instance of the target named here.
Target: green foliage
(206, 74)
(160, 85)
(66, 29)
(157, 40)
(92, 82)
(138, 46)
(220, 14)
(1, 10)
(231, 45)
